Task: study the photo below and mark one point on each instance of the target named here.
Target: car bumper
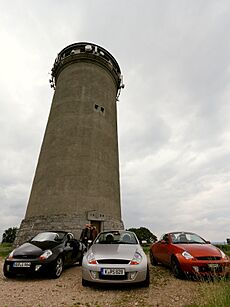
(25, 267)
(206, 268)
(133, 274)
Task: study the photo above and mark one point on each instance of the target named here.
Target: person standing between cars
(85, 234)
(93, 233)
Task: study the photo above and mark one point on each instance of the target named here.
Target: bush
(9, 235)
(144, 234)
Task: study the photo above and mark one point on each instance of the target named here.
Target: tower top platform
(86, 52)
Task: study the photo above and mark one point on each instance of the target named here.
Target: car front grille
(206, 269)
(113, 277)
(208, 258)
(113, 261)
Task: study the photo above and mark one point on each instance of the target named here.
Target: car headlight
(187, 256)
(11, 255)
(91, 259)
(137, 258)
(223, 254)
(46, 254)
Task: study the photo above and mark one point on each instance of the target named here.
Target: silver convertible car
(115, 257)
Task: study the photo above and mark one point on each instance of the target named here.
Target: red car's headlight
(187, 256)
(223, 255)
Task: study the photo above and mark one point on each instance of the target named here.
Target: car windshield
(186, 238)
(48, 236)
(116, 237)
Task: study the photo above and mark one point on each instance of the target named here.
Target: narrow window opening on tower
(102, 109)
(96, 106)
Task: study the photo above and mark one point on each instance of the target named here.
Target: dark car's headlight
(137, 258)
(46, 254)
(11, 255)
(187, 256)
(91, 259)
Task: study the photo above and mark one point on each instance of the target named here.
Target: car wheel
(146, 282)
(8, 274)
(176, 269)
(85, 283)
(153, 260)
(57, 268)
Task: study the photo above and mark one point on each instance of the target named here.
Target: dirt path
(164, 290)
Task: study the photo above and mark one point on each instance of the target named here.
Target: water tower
(77, 176)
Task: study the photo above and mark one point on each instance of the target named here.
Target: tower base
(71, 223)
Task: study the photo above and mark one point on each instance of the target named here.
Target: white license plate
(113, 271)
(22, 264)
(213, 265)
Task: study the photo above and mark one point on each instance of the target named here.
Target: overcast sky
(173, 115)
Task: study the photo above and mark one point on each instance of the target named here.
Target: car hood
(114, 251)
(27, 249)
(199, 250)
(34, 249)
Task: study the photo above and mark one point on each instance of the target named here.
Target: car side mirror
(90, 242)
(208, 242)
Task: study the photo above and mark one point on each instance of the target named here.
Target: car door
(77, 251)
(164, 250)
(68, 252)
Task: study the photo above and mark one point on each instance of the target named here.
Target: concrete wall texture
(77, 176)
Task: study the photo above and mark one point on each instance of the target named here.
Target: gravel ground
(164, 290)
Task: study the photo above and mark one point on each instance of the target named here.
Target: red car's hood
(199, 250)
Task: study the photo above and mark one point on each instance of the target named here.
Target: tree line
(142, 233)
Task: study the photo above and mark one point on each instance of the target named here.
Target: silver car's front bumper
(133, 273)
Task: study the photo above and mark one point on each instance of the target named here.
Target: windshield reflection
(186, 238)
(48, 236)
(116, 237)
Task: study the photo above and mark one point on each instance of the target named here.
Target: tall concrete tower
(77, 176)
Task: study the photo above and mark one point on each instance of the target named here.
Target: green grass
(5, 249)
(146, 248)
(215, 294)
(225, 248)
(227, 253)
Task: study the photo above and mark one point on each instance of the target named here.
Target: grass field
(216, 294)
(5, 249)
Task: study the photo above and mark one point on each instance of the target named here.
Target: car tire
(85, 283)
(8, 274)
(153, 260)
(146, 282)
(57, 268)
(176, 269)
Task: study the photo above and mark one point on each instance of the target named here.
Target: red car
(188, 254)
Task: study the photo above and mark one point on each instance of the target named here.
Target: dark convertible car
(47, 252)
